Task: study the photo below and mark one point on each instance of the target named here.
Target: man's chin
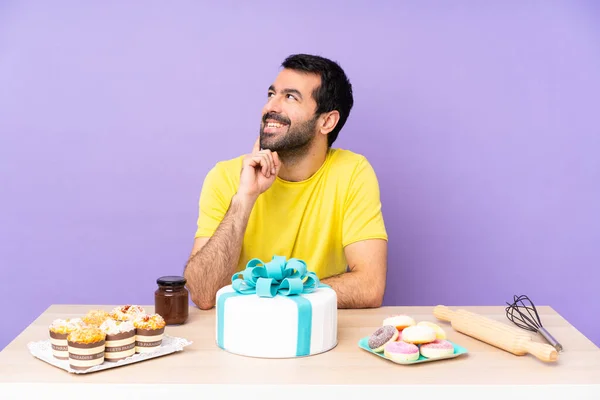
(267, 142)
(271, 148)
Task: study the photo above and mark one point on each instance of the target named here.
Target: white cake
(268, 327)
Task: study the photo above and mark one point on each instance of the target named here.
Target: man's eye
(290, 96)
(270, 94)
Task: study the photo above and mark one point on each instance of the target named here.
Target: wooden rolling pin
(504, 327)
(495, 333)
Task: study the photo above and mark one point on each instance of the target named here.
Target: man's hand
(259, 170)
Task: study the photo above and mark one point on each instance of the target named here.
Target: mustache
(276, 117)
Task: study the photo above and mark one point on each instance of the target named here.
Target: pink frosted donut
(381, 336)
(401, 351)
(438, 348)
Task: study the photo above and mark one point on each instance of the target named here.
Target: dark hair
(335, 91)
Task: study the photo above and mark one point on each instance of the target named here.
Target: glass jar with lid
(171, 299)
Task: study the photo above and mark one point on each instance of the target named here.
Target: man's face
(289, 122)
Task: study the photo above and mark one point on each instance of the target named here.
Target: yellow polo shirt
(312, 220)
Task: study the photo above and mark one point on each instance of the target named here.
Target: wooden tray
(458, 350)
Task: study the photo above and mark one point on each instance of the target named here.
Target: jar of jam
(171, 299)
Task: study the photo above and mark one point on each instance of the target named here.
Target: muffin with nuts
(149, 332)
(127, 312)
(86, 347)
(120, 339)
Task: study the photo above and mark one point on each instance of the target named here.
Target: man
(295, 196)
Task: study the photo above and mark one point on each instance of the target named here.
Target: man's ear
(329, 121)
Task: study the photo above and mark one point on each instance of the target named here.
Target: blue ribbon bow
(277, 276)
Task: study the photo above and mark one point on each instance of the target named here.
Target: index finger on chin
(256, 147)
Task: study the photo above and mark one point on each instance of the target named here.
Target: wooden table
(202, 369)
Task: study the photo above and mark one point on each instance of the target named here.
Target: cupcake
(120, 339)
(86, 347)
(59, 330)
(126, 313)
(96, 317)
(149, 333)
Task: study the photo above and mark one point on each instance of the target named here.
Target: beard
(292, 144)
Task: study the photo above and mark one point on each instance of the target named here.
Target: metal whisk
(522, 312)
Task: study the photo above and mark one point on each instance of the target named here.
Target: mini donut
(418, 334)
(436, 349)
(381, 337)
(439, 332)
(399, 321)
(401, 351)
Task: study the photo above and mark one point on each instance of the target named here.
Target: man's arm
(365, 243)
(214, 260)
(364, 285)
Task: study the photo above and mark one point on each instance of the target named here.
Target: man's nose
(273, 105)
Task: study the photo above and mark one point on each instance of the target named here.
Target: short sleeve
(363, 218)
(214, 202)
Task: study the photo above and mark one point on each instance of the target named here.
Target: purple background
(481, 120)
